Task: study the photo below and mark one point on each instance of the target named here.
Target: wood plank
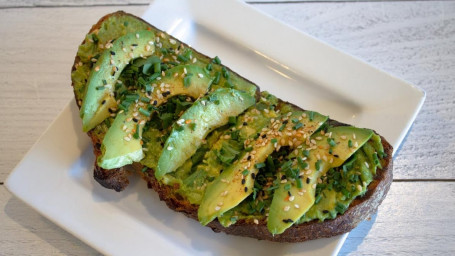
(411, 40)
(414, 219)
(38, 49)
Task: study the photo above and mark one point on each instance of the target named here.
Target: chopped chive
(192, 126)
(317, 165)
(248, 149)
(144, 169)
(182, 58)
(225, 72)
(282, 127)
(145, 99)
(301, 162)
(287, 186)
(99, 88)
(350, 143)
(157, 67)
(104, 81)
(187, 81)
(144, 112)
(295, 120)
(136, 134)
(259, 165)
(306, 153)
(216, 60)
(311, 115)
(209, 67)
(228, 84)
(131, 97)
(331, 142)
(232, 120)
(274, 140)
(298, 125)
(299, 183)
(245, 172)
(217, 78)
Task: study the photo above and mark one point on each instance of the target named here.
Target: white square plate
(55, 177)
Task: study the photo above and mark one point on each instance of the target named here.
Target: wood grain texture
(35, 63)
(411, 40)
(401, 227)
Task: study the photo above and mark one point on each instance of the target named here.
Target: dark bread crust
(360, 209)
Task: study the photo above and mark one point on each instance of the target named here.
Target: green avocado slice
(236, 183)
(120, 147)
(296, 195)
(100, 85)
(206, 114)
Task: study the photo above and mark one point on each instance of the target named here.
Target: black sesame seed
(111, 110)
(244, 123)
(307, 180)
(264, 135)
(165, 94)
(155, 102)
(248, 158)
(325, 211)
(253, 176)
(134, 45)
(243, 182)
(246, 189)
(289, 193)
(112, 53)
(283, 177)
(336, 156)
(135, 120)
(287, 221)
(104, 101)
(285, 121)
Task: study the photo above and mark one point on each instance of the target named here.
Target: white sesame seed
(296, 206)
(217, 208)
(286, 208)
(318, 138)
(219, 203)
(266, 110)
(194, 60)
(172, 41)
(291, 198)
(353, 136)
(127, 138)
(359, 188)
(256, 221)
(284, 181)
(97, 68)
(200, 75)
(300, 193)
(169, 148)
(367, 165)
(314, 186)
(137, 35)
(356, 144)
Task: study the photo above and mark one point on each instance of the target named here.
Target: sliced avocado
(99, 90)
(236, 183)
(295, 196)
(205, 115)
(119, 146)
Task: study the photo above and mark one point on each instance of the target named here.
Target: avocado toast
(214, 146)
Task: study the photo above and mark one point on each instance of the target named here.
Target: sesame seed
(97, 68)
(356, 144)
(127, 138)
(184, 70)
(318, 138)
(256, 221)
(137, 36)
(314, 186)
(291, 198)
(194, 60)
(286, 208)
(200, 75)
(169, 148)
(353, 135)
(367, 165)
(359, 188)
(266, 110)
(219, 203)
(217, 208)
(300, 193)
(296, 206)
(172, 41)
(343, 137)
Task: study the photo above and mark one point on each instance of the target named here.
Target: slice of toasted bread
(360, 209)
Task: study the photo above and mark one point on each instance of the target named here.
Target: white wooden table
(412, 40)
